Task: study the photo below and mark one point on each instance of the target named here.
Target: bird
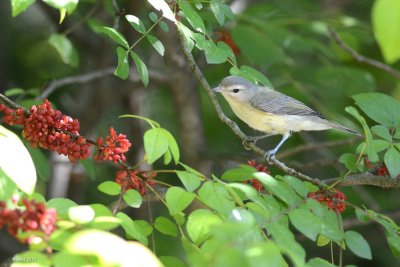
(272, 112)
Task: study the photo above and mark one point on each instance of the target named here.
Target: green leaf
(165, 226)
(68, 5)
(318, 262)
(122, 69)
(81, 214)
(190, 180)
(116, 36)
(16, 162)
(382, 108)
(65, 49)
(66, 259)
(18, 6)
(306, 222)
(170, 261)
(155, 144)
(153, 17)
(172, 145)
(40, 161)
(350, 161)
(133, 198)
(330, 227)
(299, 186)
(62, 205)
(189, 169)
(251, 74)
(194, 19)
(141, 68)
(164, 26)
(132, 229)
(14, 92)
(99, 244)
(136, 23)
(199, 223)
(357, 244)
(238, 174)
(284, 238)
(164, 8)
(110, 188)
(382, 132)
(158, 46)
(278, 188)
(392, 159)
(217, 54)
(265, 254)
(147, 229)
(362, 215)
(216, 9)
(7, 187)
(178, 199)
(394, 244)
(216, 197)
(386, 25)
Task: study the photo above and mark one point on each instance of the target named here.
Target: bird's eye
(235, 90)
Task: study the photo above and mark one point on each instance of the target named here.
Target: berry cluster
(333, 200)
(33, 217)
(50, 129)
(114, 148)
(134, 179)
(260, 168)
(379, 170)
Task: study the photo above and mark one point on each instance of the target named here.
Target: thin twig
(82, 78)
(361, 58)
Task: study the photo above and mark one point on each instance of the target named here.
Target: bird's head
(235, 88)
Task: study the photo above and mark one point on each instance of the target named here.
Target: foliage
(248, 215)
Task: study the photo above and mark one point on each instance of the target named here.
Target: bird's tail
(340, 127)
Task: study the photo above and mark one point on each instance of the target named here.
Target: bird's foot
(270, 155)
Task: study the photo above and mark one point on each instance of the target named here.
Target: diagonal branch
(361, 58)
(366, 178)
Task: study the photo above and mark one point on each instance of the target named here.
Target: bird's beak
(217, 89)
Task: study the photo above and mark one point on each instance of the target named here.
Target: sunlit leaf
(18, 6)
(116, 36)
(136, 23)
(65, 49)
(122, 69)
(178, 199)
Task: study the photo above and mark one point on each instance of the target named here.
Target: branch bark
(366, 178)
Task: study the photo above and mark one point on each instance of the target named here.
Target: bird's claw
(270, 155)
(247, 141)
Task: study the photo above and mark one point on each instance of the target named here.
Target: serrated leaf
(16, 162)
(357, 244)
(133, 198)
(141, 68)
(386, 26)
(192, 16)
(166, 226)
(110, 188)
(65, 49)
(392, 159)
(155, 144)
(136, 23)
(122, 69)
(178, 199)
(199, 223)
(18, 6)
(158, 46)
(115, 36)
(190, 180)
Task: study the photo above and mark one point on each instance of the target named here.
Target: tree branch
(367, 178)
(361, 58)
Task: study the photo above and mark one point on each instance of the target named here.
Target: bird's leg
(253, 139)
(271, 153)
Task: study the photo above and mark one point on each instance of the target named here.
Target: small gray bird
(271, 112)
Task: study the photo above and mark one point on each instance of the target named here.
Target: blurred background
(288, 41)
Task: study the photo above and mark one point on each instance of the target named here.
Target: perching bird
(271, 112)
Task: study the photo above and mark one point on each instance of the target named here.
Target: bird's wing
(277, 103)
